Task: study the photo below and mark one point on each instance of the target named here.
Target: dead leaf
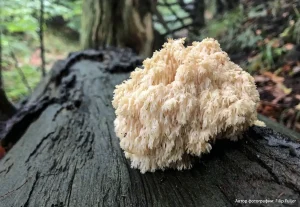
(260, 43)
(286, 67)
(285, 14)
(261, 79)
(266, 40)
(296, 70)
(2, 152)
(273, 77)
(269, 109)
(288, 100)
(258, 31)
(286, 90)
(278, 98)
(289, 46)
(297, 126)
(276, 43)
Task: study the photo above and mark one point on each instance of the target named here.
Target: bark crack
(225, 195)
(38, 146)
(7, 169)
(257, 157)
(110, 137)
(32, 188)
(70, 185)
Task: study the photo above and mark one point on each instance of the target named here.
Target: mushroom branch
(180, 103)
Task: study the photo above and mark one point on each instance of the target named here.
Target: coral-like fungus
(182, 101)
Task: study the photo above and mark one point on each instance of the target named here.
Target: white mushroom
(183, 100)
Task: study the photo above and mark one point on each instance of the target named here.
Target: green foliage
(292, 32)
(245, 30)
(13, 84)
(247, 39)
(229, 21)
(20, 27)
(268, 54)
(19, 24)
(74, 16)
(258, 11)
(21, 17)
(227, 30)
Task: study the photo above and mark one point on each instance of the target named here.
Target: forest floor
(264, 38)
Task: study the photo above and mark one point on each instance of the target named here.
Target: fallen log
(65, 151)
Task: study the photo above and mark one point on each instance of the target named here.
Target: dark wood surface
(70, 156)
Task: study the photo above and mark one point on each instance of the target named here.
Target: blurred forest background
(263, 36)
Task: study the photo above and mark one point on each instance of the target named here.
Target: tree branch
(41, 35)
(1, 84)
(24, 80)
(7, 110)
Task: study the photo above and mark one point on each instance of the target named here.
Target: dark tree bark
(70, 155)
(198, 17)
(7, 110)
(226, 5)
(126, 23)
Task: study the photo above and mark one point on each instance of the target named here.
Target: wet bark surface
(66, 153)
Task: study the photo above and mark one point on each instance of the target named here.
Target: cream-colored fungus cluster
(182, 101)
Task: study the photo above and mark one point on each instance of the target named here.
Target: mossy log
(65, 151)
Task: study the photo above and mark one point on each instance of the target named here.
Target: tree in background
(226, 5)
(198, 17)
(126, 23)
(6, 108)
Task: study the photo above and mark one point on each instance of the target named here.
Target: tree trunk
(70, 156)
(126, 23)
(7, 110)
(198, 17)
(226, 5)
